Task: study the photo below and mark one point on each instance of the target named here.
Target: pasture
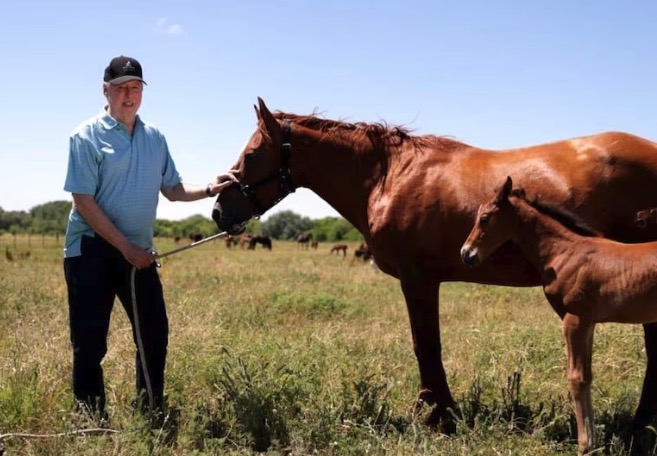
(299, 352)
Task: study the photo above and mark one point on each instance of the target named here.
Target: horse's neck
(539, 236)
(340, 171)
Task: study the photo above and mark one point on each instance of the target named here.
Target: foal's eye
(483, 220)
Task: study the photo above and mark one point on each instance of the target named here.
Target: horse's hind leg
(579, 347)
(421, 295)
(647, 408)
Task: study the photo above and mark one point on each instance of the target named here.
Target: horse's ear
(271, 124)
(505, 191)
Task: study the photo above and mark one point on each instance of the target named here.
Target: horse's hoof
(442, 421)
(642, 441)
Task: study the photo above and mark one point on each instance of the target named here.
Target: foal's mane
(379, 133)
(567, 218)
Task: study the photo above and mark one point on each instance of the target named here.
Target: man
(117, 166)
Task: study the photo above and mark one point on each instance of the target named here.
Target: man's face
(124, 100)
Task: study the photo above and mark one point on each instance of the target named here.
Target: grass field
(301, 352)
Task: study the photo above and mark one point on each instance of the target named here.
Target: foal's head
(492, 228)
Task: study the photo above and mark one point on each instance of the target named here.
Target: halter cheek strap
(283, 175)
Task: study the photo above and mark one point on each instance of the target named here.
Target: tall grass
(301, 352)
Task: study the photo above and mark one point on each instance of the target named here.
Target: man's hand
(222, 181)
(138, 257)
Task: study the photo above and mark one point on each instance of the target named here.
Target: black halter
(283, 176)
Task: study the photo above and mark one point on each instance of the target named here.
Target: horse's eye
(483, 220)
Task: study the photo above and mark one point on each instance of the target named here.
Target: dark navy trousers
(94, 279)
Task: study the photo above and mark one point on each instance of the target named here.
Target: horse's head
(490, 229)
(263, 175)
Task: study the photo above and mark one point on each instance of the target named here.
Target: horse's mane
(567, 218)
(379, 133)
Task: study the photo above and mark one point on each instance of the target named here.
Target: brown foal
(586, 278)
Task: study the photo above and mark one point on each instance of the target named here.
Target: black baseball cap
(123, 69)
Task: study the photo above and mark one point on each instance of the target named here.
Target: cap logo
(128, 68)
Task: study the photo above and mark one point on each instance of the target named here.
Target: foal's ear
(505, 191)
(271, 124)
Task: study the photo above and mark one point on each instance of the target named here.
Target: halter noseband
(283, 175)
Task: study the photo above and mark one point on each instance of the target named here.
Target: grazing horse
(414, 200)
(231, 241)
(337, 248)
(314, 245)
(195, 237)
(303, 240)
(586, 278)
(244, 240)
(263, 240)
(363, 252)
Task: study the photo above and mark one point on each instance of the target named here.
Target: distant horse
(363, 252)
(414, 199)
(586, 278)
(314, 245)
(195, 237)
(245, 240)
(303, 240)
(176, 239)
(337, 248)
(263, 240)
(646, 217)
(231, 241)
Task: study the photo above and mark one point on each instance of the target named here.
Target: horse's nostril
(469, 257)
(216, 215)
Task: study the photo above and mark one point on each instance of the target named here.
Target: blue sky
(496, 74)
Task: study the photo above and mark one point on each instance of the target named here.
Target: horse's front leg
(421, 295)
(579, 348)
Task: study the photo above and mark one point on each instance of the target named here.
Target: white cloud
(162, 25)
(175, 29)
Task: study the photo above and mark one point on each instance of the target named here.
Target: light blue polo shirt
(124, 174)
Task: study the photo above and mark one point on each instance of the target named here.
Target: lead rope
(140, 343)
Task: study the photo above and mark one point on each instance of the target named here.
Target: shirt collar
(109, 122)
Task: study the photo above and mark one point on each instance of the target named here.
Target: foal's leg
(421, 295)
(579, 347)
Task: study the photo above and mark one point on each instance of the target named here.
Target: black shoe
(87, 416)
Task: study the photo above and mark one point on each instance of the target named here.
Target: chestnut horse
(337, 248)
(414, 199)
(587, 280)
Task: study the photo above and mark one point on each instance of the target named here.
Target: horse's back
(428, 202)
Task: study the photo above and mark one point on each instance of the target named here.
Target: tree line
(51, 218)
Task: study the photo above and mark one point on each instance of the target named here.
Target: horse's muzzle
(469, 256)
(225, 223)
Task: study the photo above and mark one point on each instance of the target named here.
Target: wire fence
(30, 241)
